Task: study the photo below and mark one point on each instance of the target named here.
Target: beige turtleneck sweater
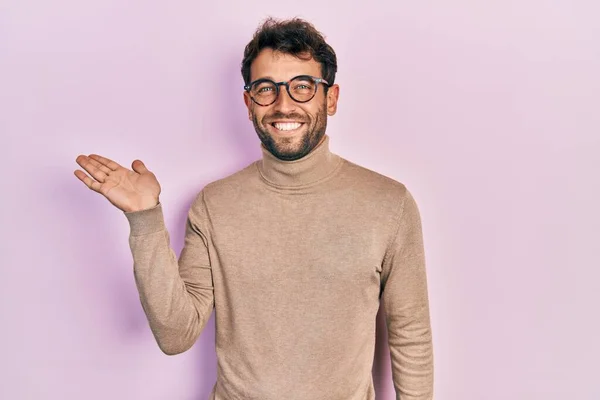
(294, 257)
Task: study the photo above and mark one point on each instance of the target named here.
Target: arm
(176, 295)
(406, 304)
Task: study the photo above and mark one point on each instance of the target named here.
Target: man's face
(272, 123)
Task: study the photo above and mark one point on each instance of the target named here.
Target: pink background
(488, 111)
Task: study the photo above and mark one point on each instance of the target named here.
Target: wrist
(144, 204)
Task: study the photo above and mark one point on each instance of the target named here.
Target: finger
(89, 182)
(91, 169)
(113, 166)
(139, 167)
(101, 167)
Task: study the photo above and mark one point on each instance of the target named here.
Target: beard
(292, 148)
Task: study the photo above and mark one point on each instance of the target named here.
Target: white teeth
(287, 126)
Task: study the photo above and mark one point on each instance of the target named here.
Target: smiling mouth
(287, 126)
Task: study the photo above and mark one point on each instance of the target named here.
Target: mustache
(279, 115)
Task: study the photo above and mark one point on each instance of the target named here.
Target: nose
(284, 102)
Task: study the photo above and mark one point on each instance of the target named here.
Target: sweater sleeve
(406, 305)
(176, 295)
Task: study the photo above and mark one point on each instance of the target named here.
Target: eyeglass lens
(302, 89)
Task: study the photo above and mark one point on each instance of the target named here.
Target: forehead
(282, 66)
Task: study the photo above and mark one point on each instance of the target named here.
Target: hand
(126, 189)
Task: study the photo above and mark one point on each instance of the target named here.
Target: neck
(306, 171)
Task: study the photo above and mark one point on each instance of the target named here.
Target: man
(294, 252)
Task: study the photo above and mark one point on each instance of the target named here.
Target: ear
(333, 93)
(249, 104)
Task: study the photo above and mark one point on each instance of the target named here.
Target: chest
(300, 241)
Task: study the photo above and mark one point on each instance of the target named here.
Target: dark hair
(293, 36)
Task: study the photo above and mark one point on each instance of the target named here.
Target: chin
(293, 145)
(284, 147)
(287, 153)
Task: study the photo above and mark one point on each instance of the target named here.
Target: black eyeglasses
(301, 88)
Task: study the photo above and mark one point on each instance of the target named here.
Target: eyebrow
(263, 77)
(274, 80)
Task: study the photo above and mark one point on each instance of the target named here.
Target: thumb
(139, 167)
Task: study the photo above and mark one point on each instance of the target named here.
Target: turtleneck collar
(306, 171)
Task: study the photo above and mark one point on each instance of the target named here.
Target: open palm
(126, 189)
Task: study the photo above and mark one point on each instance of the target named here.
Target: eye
(302, 85)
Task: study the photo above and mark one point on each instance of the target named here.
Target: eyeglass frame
(287, 87)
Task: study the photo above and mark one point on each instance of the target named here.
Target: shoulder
(374, 186)
(387, 201)
(229, 188)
